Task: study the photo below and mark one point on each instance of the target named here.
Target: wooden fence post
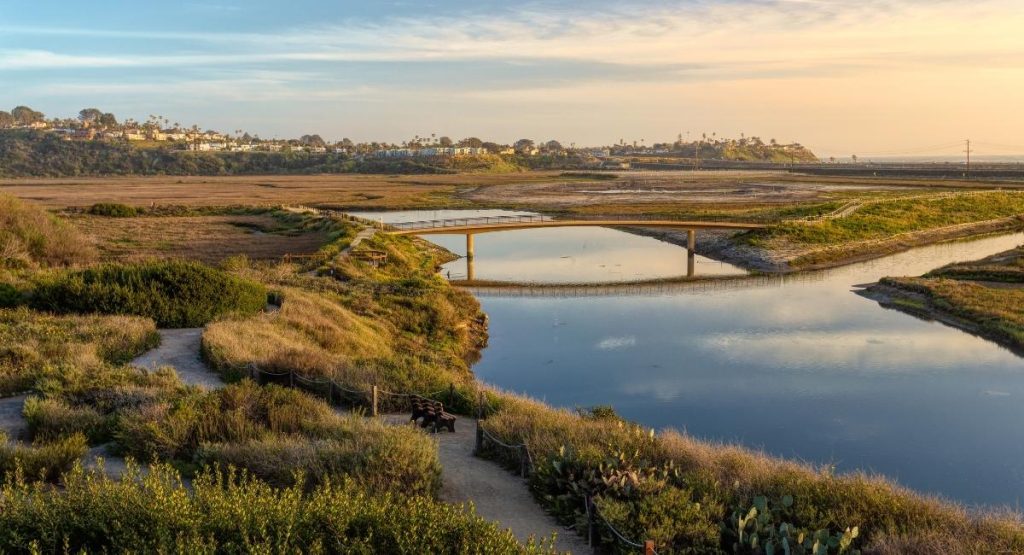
(479, 437)
(522, 461)
(451, 394)
(374, 401)
(330, 392)
(648, 547)
(590, 520)
(480, 405)
(291, 379)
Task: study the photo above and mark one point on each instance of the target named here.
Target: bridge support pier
(470, 255)
(691, 245)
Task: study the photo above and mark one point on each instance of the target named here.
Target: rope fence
(374, 398)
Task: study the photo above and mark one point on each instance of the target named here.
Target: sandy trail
(180, 349)
(497, 494)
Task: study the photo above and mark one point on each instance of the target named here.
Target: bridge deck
(484, 227)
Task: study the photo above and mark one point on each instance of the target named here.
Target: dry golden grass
(31, 237)
(32, 343)
(205, 238)
(311, 334)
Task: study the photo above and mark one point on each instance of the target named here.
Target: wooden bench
(432, 412)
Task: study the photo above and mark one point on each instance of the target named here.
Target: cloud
(773, 36)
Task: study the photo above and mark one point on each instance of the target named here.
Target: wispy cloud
(780, 33)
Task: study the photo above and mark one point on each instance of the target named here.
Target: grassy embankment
(985, 297)
(316, 479)
(879, 227)
(399, 326)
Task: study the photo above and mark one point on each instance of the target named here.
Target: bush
(10, 297)
(229, 512)
(35, 345)
(273, 431)
(50, 419)
(176, 294)
(44, 462)
(113, 210)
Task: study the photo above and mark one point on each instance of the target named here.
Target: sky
(872, 77)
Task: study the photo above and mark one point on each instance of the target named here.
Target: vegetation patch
(231, 512)
(30, 237)
(398, 325)
(176, 294)
(36, 345)
(113, 210)
(693, 496)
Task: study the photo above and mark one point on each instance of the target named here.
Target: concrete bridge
(472, 226)
(506, 223)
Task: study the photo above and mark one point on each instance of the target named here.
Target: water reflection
(803, 368)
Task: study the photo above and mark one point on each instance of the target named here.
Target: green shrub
(46, 461)
(50, 419)
(10, 297)
(113, 210)
(229, 512)
(176, 294)
(272, 432)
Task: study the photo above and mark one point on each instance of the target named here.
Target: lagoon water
(801, 367)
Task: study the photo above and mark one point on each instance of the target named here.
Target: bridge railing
(465, 222)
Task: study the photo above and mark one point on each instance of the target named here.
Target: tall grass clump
(41, 461)
(177, 294)
(35, 345)
(273, 432)
(225, 511)
(30, 237)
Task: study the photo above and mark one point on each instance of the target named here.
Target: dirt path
(359, 238)
(498, 495)
(11, 420)
(180, 348)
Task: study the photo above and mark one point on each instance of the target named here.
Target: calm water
(801, 367)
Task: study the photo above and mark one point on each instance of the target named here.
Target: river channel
(801, 367)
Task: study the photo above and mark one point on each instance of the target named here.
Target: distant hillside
(36, 154)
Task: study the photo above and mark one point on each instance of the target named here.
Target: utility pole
(968, 151)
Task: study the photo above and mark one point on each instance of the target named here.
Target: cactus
(764, 528)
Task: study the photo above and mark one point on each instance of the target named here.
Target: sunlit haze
(873, 78)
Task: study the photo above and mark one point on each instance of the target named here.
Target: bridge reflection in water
(649, 288)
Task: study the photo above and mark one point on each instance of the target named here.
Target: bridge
(472, 226)
(505, 223)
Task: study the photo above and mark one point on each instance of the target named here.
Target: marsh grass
(30, 237)
(34, 345)
(880, 219)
